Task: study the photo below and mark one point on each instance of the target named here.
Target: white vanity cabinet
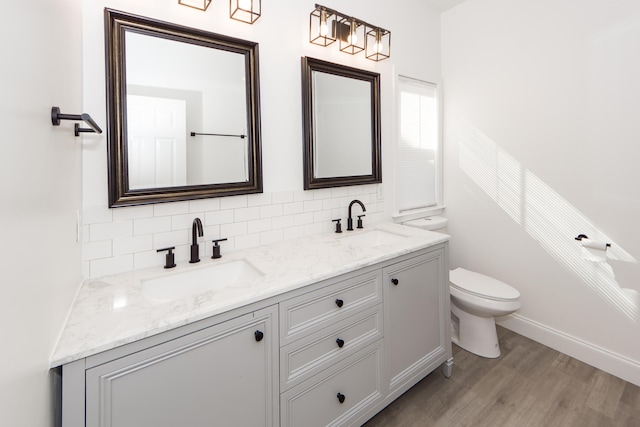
(221, 375)
(417, 331)
(329, 353)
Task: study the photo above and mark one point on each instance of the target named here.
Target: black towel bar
(56, 116)
(218, 134)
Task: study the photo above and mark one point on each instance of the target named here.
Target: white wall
(126, 238)
(40, 189)
(542, 144)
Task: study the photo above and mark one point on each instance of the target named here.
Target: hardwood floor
(528, 385)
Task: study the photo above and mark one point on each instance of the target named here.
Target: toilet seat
(482, 286)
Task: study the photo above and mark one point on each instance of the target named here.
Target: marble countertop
(112, 311)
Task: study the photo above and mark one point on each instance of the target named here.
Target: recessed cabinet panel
(311, 312)
(339, 398)
(416, 312)
(222, 375)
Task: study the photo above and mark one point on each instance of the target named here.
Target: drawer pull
(340, 342)
(339, 302)
(341, 397)
(395, 281)
(259, 335)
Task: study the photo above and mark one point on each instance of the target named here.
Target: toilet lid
(481, 285)
(433, 223)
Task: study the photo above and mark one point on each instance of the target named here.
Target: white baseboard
(608, 361)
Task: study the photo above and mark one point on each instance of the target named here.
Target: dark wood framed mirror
(183, 112)
(341, 121)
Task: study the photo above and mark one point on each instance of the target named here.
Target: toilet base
(474, 333)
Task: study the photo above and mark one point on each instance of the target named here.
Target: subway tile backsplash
(124, 239)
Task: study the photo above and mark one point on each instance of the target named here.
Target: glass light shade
(322, 27)
(352, 35)
(245, 10)
(378, 44)
(196, 4)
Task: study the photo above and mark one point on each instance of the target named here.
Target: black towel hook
(56, 116)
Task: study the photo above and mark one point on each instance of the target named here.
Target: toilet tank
(431, 223)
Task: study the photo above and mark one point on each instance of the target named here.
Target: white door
(156, 143)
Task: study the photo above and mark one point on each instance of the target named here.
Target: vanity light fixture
(352, 35)
(322, 26)
(378, 44)
(328, 25)
(245, 10)
(196, 4)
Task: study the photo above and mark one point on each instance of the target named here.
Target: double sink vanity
(321, 330)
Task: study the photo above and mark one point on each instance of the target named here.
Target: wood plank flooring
(528, 385)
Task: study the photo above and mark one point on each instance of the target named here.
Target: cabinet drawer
(317, 402)
(309, 355)
(316, 310)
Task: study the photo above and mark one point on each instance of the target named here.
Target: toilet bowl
(476, 300)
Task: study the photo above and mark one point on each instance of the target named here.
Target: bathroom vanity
(323, 330)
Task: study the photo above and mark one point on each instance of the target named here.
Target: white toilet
(476, 300)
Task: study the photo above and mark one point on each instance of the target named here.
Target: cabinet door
(416, 301)
(222, 375)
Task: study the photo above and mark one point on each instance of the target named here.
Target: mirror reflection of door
(211, 85)
(157, 151)
(183, 112)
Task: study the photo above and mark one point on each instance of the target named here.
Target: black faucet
(350, 220)
(195, 249)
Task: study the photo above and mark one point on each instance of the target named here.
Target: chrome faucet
(195, 249)
(350, 220)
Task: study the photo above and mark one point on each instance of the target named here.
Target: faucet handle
(338, 225)
(360, 221)
(216, 248)
(170, 260)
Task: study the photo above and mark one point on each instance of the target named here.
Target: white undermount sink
(372, 238)
(192, 282)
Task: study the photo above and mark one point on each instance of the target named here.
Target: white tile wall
(124, 239)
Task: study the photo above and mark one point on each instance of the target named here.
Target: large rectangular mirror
(341, 108)
(183, 112)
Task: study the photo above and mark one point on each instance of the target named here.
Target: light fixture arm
(348, 18)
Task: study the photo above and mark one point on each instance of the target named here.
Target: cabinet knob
(395, 281)
(341, 397)
(339, 302)
(340, 342)
(259, 335)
